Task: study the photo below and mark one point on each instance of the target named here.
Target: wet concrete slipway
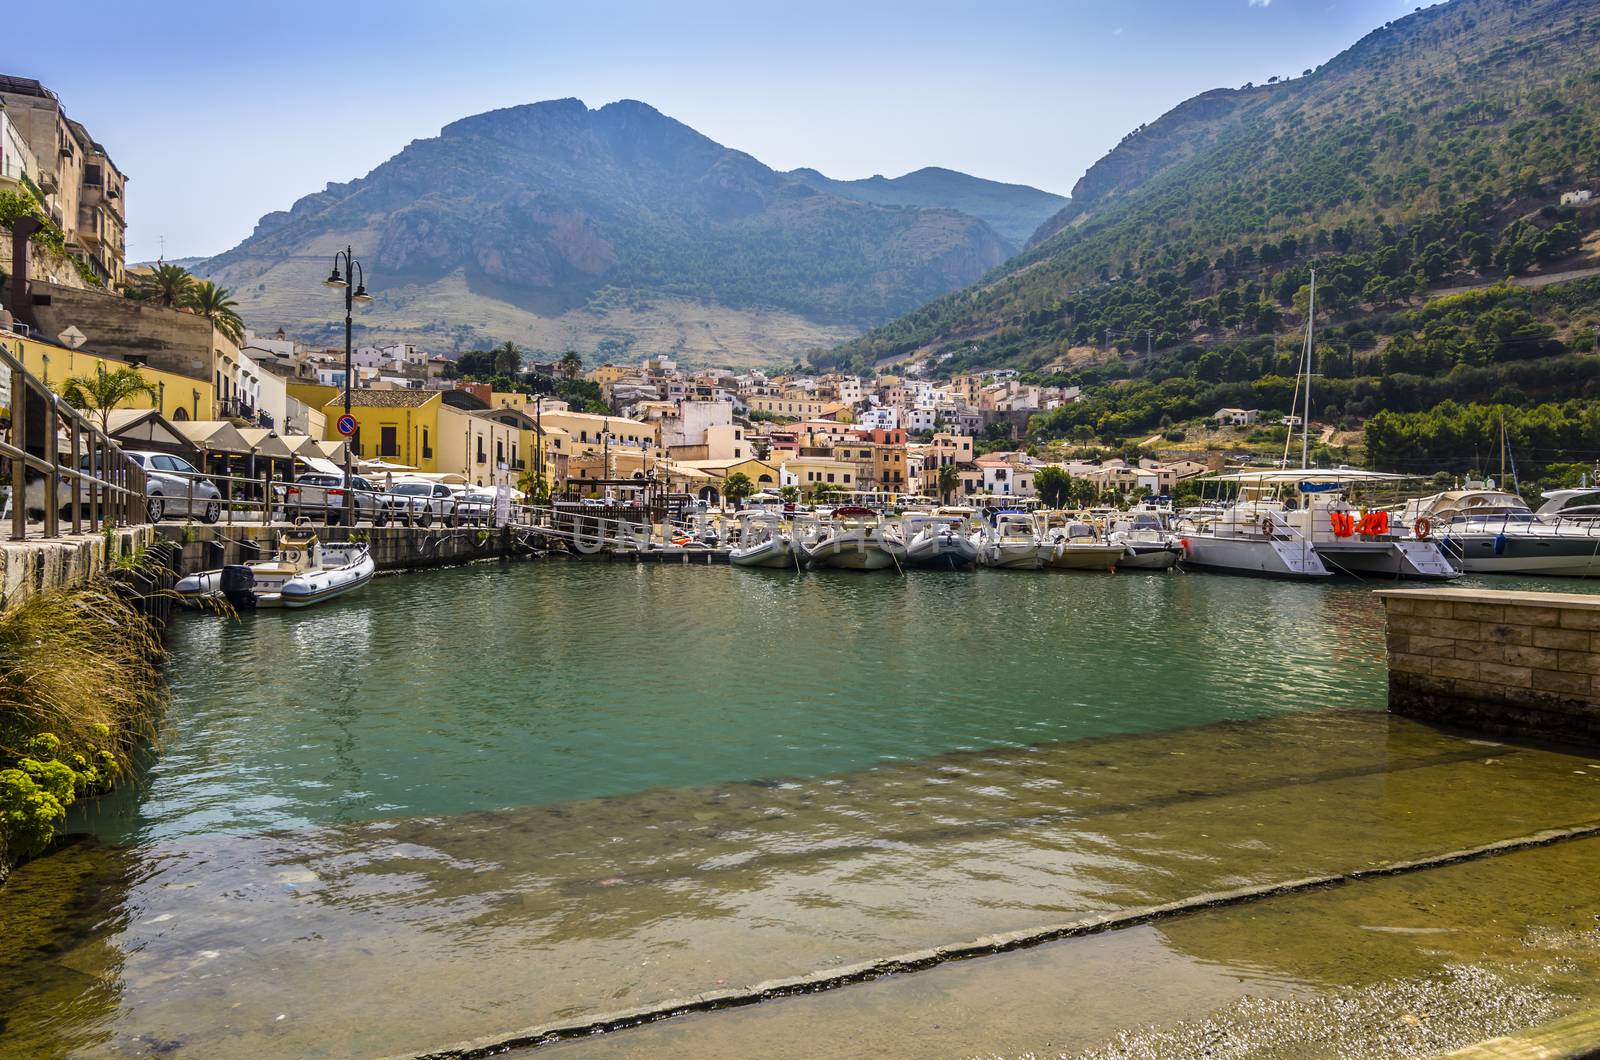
(499, 805)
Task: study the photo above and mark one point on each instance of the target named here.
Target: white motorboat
(1145, 534)
(1011, 541)
(1074, 544)
(304, 572)
(1487, 530)
(764, 542)
(856, 539)
(938, 540)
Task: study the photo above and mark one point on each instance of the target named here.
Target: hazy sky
(223, 112)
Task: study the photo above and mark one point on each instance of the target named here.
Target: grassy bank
(80, 688)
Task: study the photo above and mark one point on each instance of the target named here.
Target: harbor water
(463, 804)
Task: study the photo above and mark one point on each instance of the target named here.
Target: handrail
(112, 487)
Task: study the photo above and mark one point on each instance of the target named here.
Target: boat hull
(772, 554)
(1084, 557)
(947, 552)
(195, 589)
(851, 556)
(1009, 555)
(244, 590)
(1547, 555)
(1409, 559)
(1260, 557)
(1149, 557)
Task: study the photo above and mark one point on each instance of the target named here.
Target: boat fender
(1500, 544)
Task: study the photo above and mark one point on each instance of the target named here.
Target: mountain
(608, 230)
(1015, 211)
(1430, 157)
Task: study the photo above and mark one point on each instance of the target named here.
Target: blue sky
(223, 112)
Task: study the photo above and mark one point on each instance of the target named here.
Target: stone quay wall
(36, 566)
(1519, 663)
(392, 547)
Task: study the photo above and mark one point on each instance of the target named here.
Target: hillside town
(232, 401)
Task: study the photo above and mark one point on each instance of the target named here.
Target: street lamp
(358, 293)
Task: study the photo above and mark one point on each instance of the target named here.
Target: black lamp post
(352, 294)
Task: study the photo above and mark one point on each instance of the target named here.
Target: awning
(332, 450)
(322, 465)
(266, 443)
(147, 429)
(383, 465)
(303, 446)
(216, 436)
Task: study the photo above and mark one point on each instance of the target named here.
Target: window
(388, 440)
(427, 450)
(830, 476)
(482, 456)
(162, 463)
(846, 477)
(499, 451)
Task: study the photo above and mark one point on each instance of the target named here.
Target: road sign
(72, 337)
(347, 425)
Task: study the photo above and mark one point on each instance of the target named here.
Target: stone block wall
(29, 567)
(1510, 662)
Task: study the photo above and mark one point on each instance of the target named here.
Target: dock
(1519, 663)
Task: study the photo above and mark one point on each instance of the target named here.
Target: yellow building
(179, 397)
(608, 373)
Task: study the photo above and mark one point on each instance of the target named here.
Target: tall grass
(80, 689)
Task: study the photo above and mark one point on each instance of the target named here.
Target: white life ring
(291, 555)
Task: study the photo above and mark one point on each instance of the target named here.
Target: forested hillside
(1430, 155)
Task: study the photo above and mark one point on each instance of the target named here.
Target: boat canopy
(1314, 475)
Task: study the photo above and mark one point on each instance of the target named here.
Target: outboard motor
(239, 585)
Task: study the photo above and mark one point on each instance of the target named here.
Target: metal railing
(85, 483)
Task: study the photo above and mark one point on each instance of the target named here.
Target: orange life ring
(1422, 528)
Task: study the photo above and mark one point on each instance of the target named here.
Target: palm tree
(571, 364)
(104, 391)
(216, 304)
(508, 359)
(168, 285)
(737, 486)
(823, 490)
(949, 479)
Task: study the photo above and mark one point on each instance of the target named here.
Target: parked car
(474, 504)
(422, 502)
(316, 492)
(172, 485)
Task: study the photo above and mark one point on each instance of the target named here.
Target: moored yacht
(1349, 539)
(1487, 530)
(1249, 537)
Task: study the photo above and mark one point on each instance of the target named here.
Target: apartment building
(81, 189)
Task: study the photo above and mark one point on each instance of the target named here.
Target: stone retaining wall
(392, 547)
(1511, 662)
(30, 567)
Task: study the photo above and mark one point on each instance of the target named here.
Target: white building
(1236, 417)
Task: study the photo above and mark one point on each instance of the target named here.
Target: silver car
(172, 486)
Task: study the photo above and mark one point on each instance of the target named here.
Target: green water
(464, 803)
(492, 686)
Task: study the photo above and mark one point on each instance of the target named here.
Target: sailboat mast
(1305, 421)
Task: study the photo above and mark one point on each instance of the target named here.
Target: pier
(1521, 663)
